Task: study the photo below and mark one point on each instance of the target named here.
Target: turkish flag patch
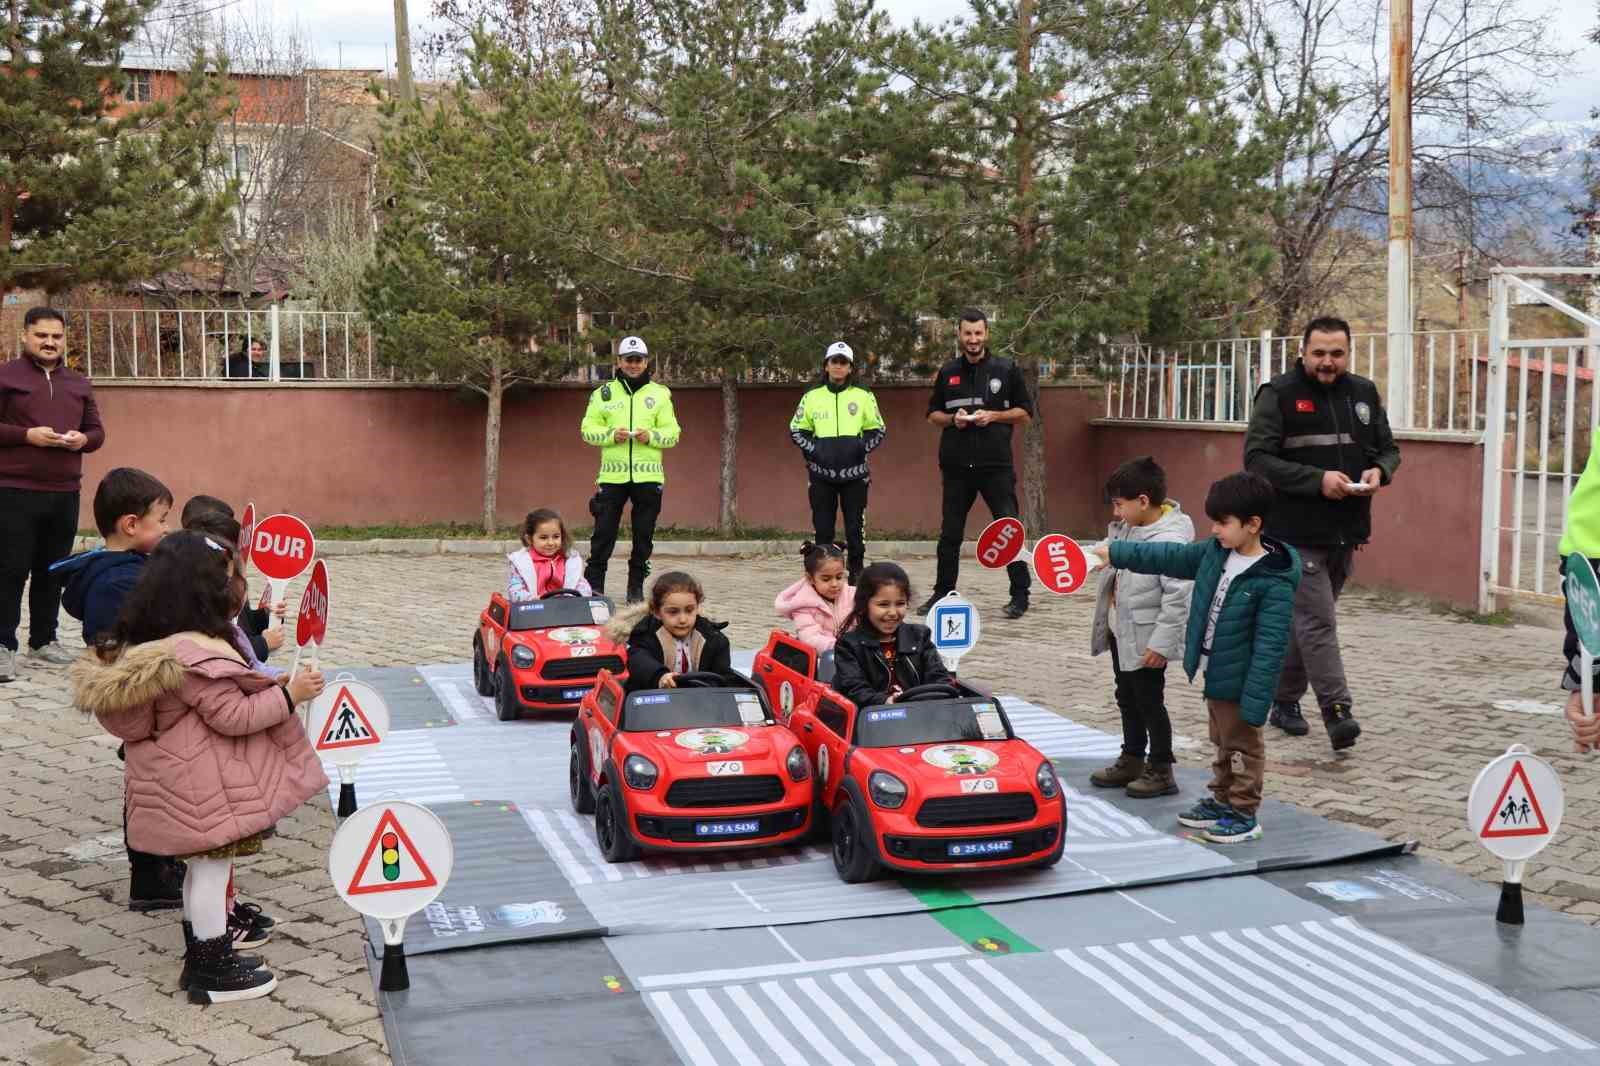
(1305, 407)
(955, 379)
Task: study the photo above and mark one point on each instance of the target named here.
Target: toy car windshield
(688, 708)
(560, 611)
(934, 722)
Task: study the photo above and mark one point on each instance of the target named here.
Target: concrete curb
(671, 549)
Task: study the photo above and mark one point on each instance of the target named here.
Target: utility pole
(402, 52)
(1399, 393)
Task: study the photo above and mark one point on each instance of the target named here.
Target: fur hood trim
(622, 623)
(141, 674)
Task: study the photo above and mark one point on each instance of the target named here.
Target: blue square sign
(952, 627)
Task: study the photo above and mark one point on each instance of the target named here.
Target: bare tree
(541, 29)
(1319, 74)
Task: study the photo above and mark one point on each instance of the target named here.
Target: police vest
(1329, 429)
(843, 426)
(1582, 534)
(614, 406)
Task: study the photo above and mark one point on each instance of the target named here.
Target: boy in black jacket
(673, 638)
(879, 654)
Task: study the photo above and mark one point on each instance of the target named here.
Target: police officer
(630, 419)
(1320, 434)
(976, 401)
(836, 425)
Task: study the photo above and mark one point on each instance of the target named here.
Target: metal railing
(1215, 381)
(163, 344)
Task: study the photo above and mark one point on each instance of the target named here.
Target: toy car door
(785, 669)
(599, 715)
(499, 614)
(824, 731)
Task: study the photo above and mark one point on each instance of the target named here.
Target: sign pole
(1586, 664)
(1510, 909)
(347, 791)
(394, 977)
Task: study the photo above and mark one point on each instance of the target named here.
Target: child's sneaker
(1234, 827)
(1203, 815)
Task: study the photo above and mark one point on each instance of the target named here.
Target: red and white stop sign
(312, 625)
(282, 547)
(1000, 543)
(1060, 563)
(247, 526)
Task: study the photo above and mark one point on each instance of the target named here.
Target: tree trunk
(491, 449)
(1035, 515)
(728, 481)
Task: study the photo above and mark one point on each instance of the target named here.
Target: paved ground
(84, 981)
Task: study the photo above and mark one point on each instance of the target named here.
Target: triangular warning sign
(391, 862)
(347, 725)
(1516, 813)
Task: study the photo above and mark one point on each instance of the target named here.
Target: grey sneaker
(53, 652)
(8, 664)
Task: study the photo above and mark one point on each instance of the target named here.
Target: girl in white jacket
(547, 561)
(819, 602)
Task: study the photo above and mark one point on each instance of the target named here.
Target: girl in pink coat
(216, 755)
(821, 600)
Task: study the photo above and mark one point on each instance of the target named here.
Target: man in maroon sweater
(48, 419)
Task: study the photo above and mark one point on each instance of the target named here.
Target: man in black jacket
(1321, 436)
(976, 401)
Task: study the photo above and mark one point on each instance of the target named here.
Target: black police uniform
(977, 460)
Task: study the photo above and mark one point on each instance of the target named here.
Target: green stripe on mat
(966, 920)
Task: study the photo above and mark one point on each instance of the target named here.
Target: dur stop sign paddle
(1060, 564)
(282, 547)
(1000, 543)
(311, 627)
(247, 527)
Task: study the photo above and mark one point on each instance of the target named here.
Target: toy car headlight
(1046, 778)
(798, 765)
(639, 772)
(886, 789)
(522, 656)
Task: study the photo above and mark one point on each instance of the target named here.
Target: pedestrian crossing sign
(391, 863)
(347, 725)
(1515, 806)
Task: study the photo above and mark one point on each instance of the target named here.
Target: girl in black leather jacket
(880, 655)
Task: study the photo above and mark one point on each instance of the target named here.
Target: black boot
(254, 962)
(1287, 717)
(217, 976)
(155, 882)
(1016, 608)
(1342, 726)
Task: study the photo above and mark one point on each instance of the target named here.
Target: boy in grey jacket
(1140, 619)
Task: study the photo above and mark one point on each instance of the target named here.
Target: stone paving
(83, 980)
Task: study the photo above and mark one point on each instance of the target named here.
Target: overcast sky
(354, 33)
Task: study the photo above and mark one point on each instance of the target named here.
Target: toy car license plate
(726, 829)
(574, 693)
(979, 849)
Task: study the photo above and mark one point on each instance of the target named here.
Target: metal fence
(1214, 381)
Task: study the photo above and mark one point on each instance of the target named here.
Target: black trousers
(998, 487)
(827, 499)
(1142, 700)
(36, 529)
(606, 506)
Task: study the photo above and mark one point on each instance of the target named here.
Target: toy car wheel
(482, 679)
(853, 855)
(579, 790)
(611, 827)
(505, 695)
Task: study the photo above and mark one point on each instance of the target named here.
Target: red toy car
(936, 783)
(543, 655)
(700, 766)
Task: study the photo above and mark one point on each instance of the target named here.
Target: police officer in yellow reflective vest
(630, 420)
(835, 426)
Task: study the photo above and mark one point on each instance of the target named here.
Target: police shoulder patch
(605, 392)
(1364, 412)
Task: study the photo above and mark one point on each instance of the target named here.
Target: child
(130, 511)
(547, 561)
(818, 603)
(255, 622)
(1247, 584)
(1139, 618)
(216, 755)
(674, 637)
(225, 530)
(879, 654)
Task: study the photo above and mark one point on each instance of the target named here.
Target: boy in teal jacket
(1237, 633)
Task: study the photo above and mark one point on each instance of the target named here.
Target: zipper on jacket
(630, 436)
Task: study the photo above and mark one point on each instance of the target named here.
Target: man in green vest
(836, 425)
(630, 419)
(1580, 543)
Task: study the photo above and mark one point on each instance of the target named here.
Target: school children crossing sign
(391, 859)
(1515, 806)
(349, 720)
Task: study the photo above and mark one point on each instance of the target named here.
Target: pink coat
(215, 751)
(816, 621)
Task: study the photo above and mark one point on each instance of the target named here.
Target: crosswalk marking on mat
(1318, 992)
(407, 766)
(933, 1012)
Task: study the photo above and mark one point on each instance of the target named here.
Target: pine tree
(1073, 167)
(488, 194)
(86, 196)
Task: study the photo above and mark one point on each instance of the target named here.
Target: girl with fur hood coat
(215, 753)
(673, 637)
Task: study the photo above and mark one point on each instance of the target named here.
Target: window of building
(138, 90)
